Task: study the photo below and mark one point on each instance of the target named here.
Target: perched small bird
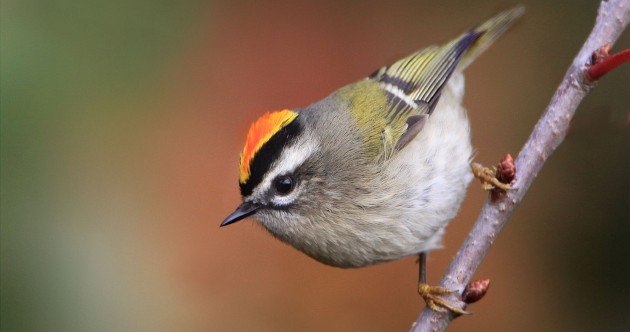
(375, 171)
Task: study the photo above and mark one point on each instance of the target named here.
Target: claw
(430, 295)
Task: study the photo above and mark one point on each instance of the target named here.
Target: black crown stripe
(267, 154)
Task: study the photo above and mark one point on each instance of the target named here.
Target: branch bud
(506, 169)
(475, 291)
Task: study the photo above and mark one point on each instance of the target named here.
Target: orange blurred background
(122, 124)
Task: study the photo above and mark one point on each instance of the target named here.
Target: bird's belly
(433, 173)
(436, 168)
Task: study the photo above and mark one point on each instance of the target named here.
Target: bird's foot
(488, 177)
(431, 296)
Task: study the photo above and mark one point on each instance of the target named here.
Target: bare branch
(549, 132)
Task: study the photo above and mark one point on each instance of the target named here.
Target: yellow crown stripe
(260, 132)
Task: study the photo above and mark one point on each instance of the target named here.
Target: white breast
(435, 168)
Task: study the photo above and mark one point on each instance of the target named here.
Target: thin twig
(549, 132)
(607, 64)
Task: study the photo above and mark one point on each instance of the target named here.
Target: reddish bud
(475, 291)
(506, 169)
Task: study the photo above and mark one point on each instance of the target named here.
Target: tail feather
(490, 31)
(413, 85)
(416, 81)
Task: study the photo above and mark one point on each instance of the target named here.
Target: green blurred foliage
(70, 71)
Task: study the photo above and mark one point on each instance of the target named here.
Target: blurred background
(122, 123)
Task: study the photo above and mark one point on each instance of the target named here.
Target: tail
(413, 85)
(418, 79)
(489, 31)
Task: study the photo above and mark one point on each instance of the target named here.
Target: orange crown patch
(260, 133)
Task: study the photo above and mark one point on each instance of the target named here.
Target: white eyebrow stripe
(291, 158)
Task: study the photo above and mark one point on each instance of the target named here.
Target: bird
(375, 171)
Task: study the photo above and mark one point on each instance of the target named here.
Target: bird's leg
(422, 268)
(488, 177)
(430, 294)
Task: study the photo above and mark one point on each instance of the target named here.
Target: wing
(412, 86)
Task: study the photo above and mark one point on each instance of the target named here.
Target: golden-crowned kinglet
(375, 171)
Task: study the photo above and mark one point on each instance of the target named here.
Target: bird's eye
(284, 184)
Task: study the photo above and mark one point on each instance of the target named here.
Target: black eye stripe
(267, 154)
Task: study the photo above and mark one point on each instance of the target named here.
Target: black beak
(243, 211)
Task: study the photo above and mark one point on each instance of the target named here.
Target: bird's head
(277, 168)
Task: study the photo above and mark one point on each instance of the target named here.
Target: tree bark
(549, 132)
